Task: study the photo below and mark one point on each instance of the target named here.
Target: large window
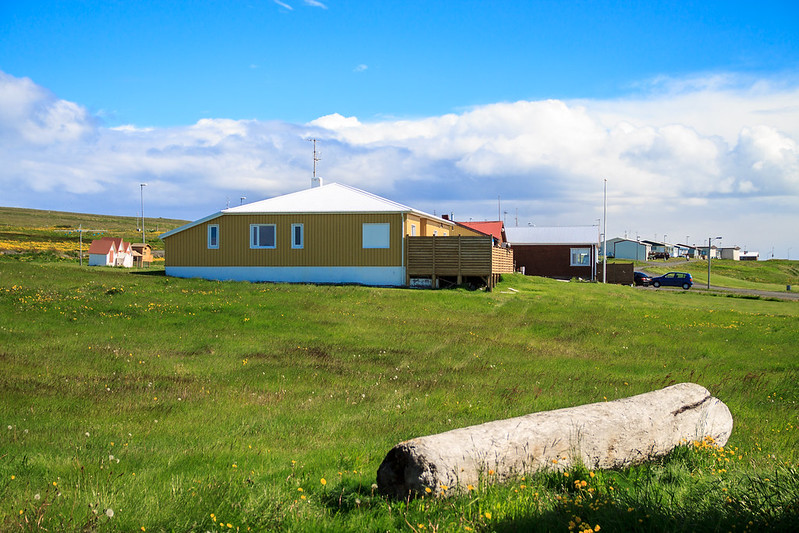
(213, 236)
(297, 236)
(262, 236)
(580, 257)
(377, 235)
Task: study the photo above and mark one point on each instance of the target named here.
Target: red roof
(491, 227)
(103, 246)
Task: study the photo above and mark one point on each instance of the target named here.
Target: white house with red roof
(110, 251)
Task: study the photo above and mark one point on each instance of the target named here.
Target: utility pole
(605, 235)
(709, 244)
(143, 238)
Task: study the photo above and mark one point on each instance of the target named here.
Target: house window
(580, 257)
(377, 235)
(262, 236)
(413, 230)
(213, 236)
(297, 236)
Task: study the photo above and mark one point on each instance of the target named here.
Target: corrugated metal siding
(330, 240)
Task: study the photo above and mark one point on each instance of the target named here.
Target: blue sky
(690, 110)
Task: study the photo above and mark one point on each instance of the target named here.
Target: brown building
(561, 252)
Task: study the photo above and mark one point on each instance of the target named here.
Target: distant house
(686, 250)
(494, 228)
(330, 233)
(714, 252)
(731, 252)
(110, 251)
(142, 254)
(620, 248)
(556, 252)
(660, 250)
(750, 256)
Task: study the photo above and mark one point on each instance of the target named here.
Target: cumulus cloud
(681, 158)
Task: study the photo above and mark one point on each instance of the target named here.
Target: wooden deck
(458, 258)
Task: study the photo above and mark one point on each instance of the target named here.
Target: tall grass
(190, 405)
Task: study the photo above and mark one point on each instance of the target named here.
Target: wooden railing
(457, 257)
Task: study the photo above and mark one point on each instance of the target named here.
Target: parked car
(641, 279)
(673, 279)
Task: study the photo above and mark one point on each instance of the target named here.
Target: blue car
(673, 279)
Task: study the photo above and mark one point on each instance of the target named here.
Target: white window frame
(211, 229)
(294, 244)
(376, 235)
(574, 255)
(254, 237)
(413, 230)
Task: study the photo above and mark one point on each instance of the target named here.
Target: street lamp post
(605, 234)
(709, 244)
(141, 190)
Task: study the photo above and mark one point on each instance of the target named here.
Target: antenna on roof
(315, 181)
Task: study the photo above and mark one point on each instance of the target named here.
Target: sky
(681, 116)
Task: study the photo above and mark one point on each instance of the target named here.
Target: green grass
(183, 404)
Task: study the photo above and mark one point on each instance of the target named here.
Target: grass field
(134, 402)
(55, 233)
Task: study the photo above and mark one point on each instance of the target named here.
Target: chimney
(316, 182)
(445, 217)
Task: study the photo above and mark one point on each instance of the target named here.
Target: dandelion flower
(109, 513)
(488, 515)
(323, 481)
(428, 490)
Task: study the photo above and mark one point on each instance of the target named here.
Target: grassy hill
(55, 233)
(134, 402)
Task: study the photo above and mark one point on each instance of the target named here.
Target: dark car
(673, 279)
(641, 279)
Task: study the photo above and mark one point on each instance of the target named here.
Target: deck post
(434, 279)
(460, 258)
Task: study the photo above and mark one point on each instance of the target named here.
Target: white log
(600, 435)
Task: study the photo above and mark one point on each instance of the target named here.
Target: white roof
(553, 235)
(330, 198)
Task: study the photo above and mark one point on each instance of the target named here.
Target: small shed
(731, 252)
(623, 248)
(142, 254)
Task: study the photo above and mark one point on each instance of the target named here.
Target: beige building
(326, 234)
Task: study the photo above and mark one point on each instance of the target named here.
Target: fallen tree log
(600, 435)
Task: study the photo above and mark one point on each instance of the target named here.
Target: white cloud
(283, 5)
(677, 162)
(360, 68)
(315, 3)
